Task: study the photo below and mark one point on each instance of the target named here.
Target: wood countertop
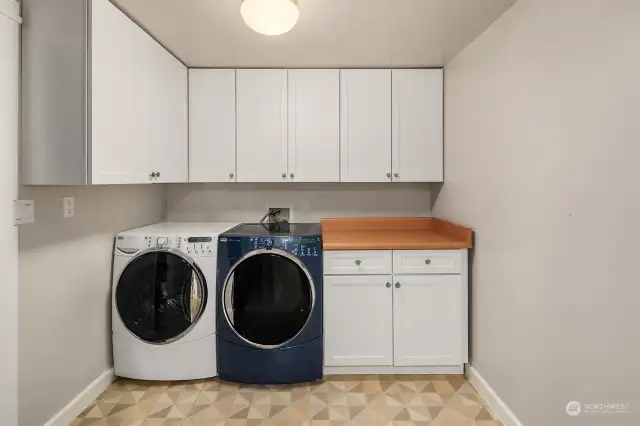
(401, 233)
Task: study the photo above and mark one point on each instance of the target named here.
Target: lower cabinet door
(427, 320)
(358, 326)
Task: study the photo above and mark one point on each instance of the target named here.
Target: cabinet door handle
(389, 175)
(284, 176)
(388, 285)
(292, 175)
(396, 175)
(358, 262)
(231, 175)
(157, 174)
(398, 285)
(427, 262)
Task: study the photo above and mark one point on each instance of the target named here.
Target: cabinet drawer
(356, 262)
(427, 262)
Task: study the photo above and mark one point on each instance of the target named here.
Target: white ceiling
(330, 33)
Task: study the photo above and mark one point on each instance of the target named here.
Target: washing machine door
(268, 298)
(160, 296)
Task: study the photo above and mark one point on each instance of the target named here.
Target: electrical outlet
(68, 207)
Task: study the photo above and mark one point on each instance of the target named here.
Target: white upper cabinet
(105, 104)
(168, 112)
(427, 320)
(120, 109)
(365, 125)
(417, 125)
(314, 126)
(212, 125)
(261, 97)
(358, 320)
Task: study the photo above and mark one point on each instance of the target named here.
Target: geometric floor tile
(354, 400)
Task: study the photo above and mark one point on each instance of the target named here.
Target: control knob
(162, 241)
(268, 243)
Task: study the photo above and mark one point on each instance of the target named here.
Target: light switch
(24, 212)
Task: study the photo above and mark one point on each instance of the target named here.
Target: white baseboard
(496, 403)
(455, 369)
(82, 400)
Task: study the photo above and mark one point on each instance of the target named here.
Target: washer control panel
(196, 246)
(191, 245)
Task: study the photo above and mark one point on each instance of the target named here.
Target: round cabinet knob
(231, 175)
(152, 174)
(162, 241)
(292, 175)
(398, 285)
(428, 261)
(396, 175)
(389, 175)
(284, 176)
(388, 285)
(358, 262)
(157, 174)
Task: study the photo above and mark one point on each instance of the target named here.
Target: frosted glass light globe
(270, 17)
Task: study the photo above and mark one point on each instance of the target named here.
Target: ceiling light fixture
(270, 17)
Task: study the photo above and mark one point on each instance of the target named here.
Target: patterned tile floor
(336, 401)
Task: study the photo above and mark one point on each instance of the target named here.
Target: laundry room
(319, 212)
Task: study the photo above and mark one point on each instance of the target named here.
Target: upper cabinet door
(261, 97)
(314, 120)
(138, 103)
(212, 125)
(118, 115)
(427, 320)
(167, 96)
(417, 125)
(365, 122)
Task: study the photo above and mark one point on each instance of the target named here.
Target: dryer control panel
(297, 246)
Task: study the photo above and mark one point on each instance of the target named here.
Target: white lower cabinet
(358, 320)
(395, 321)
(427, 320)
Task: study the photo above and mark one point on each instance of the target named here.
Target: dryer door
(160, 296)
(268, 298)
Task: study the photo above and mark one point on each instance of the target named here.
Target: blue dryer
(269, 304)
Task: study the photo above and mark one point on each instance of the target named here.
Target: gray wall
(543, 161)
(310, 202)
(64, 305)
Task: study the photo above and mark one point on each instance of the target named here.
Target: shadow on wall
(471, 288)
(434, 191)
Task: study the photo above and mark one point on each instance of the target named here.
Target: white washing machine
(164, 301)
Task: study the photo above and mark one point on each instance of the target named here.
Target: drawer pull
(398, 285)
(358, 262)
(428, 261)
(388, 285)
